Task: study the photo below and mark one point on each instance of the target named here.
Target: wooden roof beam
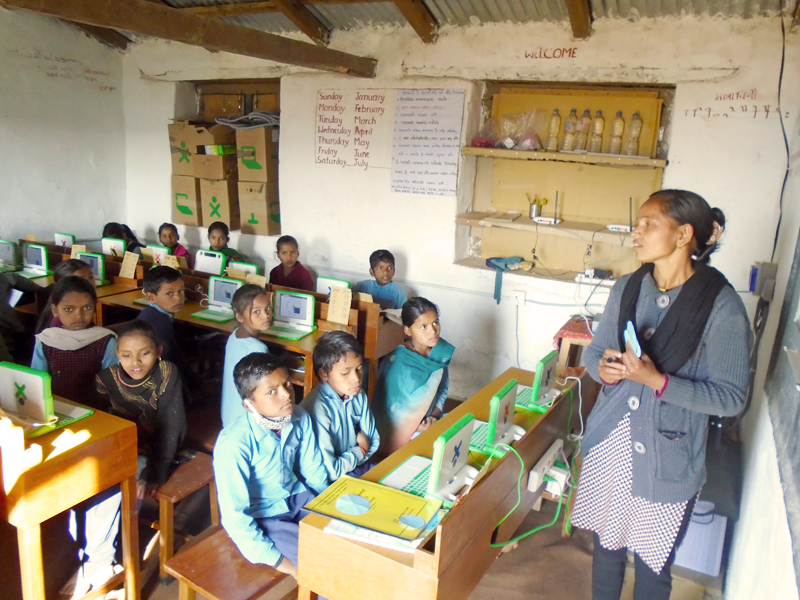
(304, 20)
(252, 8)
(108, 37)
(420, 18)
(146, 18)
(580, 17)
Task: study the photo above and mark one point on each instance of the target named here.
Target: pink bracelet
(660, 393)
(605, 383)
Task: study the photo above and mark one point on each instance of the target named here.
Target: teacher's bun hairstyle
(688, 208)
(414, 308)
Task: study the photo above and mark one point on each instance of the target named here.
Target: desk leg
(130, 538)
(98, 314)
(30, 562)
(303, 593)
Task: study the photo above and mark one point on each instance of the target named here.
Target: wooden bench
(212, 565)
(186, 479)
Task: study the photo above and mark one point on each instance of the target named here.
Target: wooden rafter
(252, 8)
(146, 18)
(109, 37)
(420, 19)
(304, 20)
(580, 17)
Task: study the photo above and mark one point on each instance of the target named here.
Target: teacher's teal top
(409, 387)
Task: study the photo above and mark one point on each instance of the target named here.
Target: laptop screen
(545, 373)
(34, 257)
(93, 261)
(293, 307)
(7, 253)
(224, 290)
(452, 449)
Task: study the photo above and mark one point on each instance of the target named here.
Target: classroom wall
(726, 143)
(62, 157)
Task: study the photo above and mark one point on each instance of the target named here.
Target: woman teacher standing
(645, 441)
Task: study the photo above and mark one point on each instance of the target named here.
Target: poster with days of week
(351, 131)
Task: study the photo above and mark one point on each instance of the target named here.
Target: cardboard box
(220, 201)
(185, 138)
(260, 208)
(186, 200)
(211, 166)
(257, 150)
(181, 146)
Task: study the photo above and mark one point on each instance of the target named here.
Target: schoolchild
(290, 273)
(383, 290)
(170, 238)
(65, 268)
(218, 238)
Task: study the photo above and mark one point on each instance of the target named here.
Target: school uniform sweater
(668, 434)
(299, 278)
(391, 295)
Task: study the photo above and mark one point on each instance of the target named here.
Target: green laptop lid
(450, 453)
(26, 391)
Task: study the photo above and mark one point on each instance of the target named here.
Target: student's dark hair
(66, 268)
(286, 239)
(157, 276)
(414, 308)
(248, 372)
(685, 207)
(129, 235)
(164, 226)
(69, 267)
(380, 256)
(333, 346)
(113, 230)
(244, 296)
(71, 284)
(138, 327)
(221, 226)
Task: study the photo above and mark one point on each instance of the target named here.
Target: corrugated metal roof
(473, 12)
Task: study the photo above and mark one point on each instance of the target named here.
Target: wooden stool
(214, 567)
(186, 479)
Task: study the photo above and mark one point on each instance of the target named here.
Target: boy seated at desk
(382, 289)
(267, 465)
(164, 289)
(343, 421)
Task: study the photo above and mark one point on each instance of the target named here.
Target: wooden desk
(454, 561)
(47, 475)
(304, 346)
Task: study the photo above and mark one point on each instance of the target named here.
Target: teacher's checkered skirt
(606, 505)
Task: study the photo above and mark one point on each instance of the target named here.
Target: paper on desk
(147, 254)
(13, 297)
(171, 261)
(393, 314)
(258, 280)
(182, 262)
(339, 307)
(30, 237)
(128, 268)
(236, 274)
(362, 297)
(77, 248)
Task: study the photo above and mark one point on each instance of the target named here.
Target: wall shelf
(613, 160)
(587, 232)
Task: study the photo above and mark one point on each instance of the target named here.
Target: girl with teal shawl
(413, 381)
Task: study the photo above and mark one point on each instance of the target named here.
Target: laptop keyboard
(419, 485)
(283, 329)
(213, 315)
(63, 420)
(480, 435)
(524, 394)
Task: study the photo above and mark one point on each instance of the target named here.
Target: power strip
(536, 476)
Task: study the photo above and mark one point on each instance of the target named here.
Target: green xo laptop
(541, 396)
(500, 429)
(220, 296)
(293, 315)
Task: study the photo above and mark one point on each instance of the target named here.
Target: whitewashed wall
(735, 158)
(62, 156)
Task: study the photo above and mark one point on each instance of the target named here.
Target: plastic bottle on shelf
(596, 136)
(570, 131)
(617, 127)
(553, 128)
(632, 143)
(582, 136)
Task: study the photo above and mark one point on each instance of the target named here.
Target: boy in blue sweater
(164, 289)
(345, 428)
(267, 465)
(382, 289)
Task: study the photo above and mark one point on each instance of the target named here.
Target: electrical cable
(516, 333)
(589, 297)
(785, 139)
(252, 120)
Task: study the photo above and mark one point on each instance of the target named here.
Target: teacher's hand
(642, 370)
(613, 371)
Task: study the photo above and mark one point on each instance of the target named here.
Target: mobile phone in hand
(630, 337)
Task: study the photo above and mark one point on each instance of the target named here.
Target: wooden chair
(212, 565)
(186, 479)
